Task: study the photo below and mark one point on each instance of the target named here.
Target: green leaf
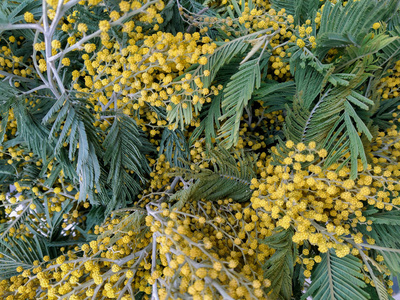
(309, 83)
(279, 268)
(237, 94)
(19, 219)
(288, 5)
(174, 145)
(20, 253)
(125, 149)
(210, 121)
(230, 178)
(391, 51)
(306, 9)
(356, 146)
(275, 95)
(95, 216)
(371, 44)
(31, 130)
(342, 26)
(337, 278)
(8, 96)
(173, 22)
(386, 217)
(329, 119)
(77, 119)
(384, 113)
(3, 125)
(301, 10)
(385, 228)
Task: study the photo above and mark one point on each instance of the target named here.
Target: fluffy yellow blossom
(376, 26)
(28, 17)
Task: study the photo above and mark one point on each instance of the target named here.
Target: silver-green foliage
(337, 278)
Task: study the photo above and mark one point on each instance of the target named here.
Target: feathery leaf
(279, 267)
(337, 278)
(237, 94)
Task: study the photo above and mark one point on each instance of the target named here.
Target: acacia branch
(21, 26)
(98, 32)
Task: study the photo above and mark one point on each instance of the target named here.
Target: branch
(57, 17)
(153, 266)
(199, 13)
(47, 41)
(219, 288)
(98, 32)
(21, 26)
(379, 248)
(70, 4)
(38, 72)
(20, 78)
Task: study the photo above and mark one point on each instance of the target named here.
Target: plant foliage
(199, 149)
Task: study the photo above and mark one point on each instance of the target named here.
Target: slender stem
(21, 26)
(380, 248)
(365, 259)
(219, 288)
(56, 19)
(199, 13)
(20, 78)
(98, 32)
(47, 41)
(35, 61)
(70, 4)
(40, 87)
(49, 31)
(153, 266)
(267, 40)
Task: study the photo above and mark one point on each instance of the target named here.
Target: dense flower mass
(328, 208)
(199, 150)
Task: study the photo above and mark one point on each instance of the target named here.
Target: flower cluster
(70, 230)
(327, 207)
(207, 250)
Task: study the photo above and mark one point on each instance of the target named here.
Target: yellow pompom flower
(376, 26)
(28, 17)
(56, 44)
(124, 6)
(89, 48)
(203, 60)
(104, 25)
(66, 61)
(322, 153)
(82, 27)
(300, 43)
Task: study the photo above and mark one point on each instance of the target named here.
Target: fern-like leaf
(230, 178)
(300, 9)
(279, 267)
(330, 119)
(125, 149)
(77, 120)
(382, 44)
(174, 146)
(342, 26)
(385, 228)
(337, 278)
(237, 94)
(275, 95)
(210, 121)
(20, 253)
(383, 116)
